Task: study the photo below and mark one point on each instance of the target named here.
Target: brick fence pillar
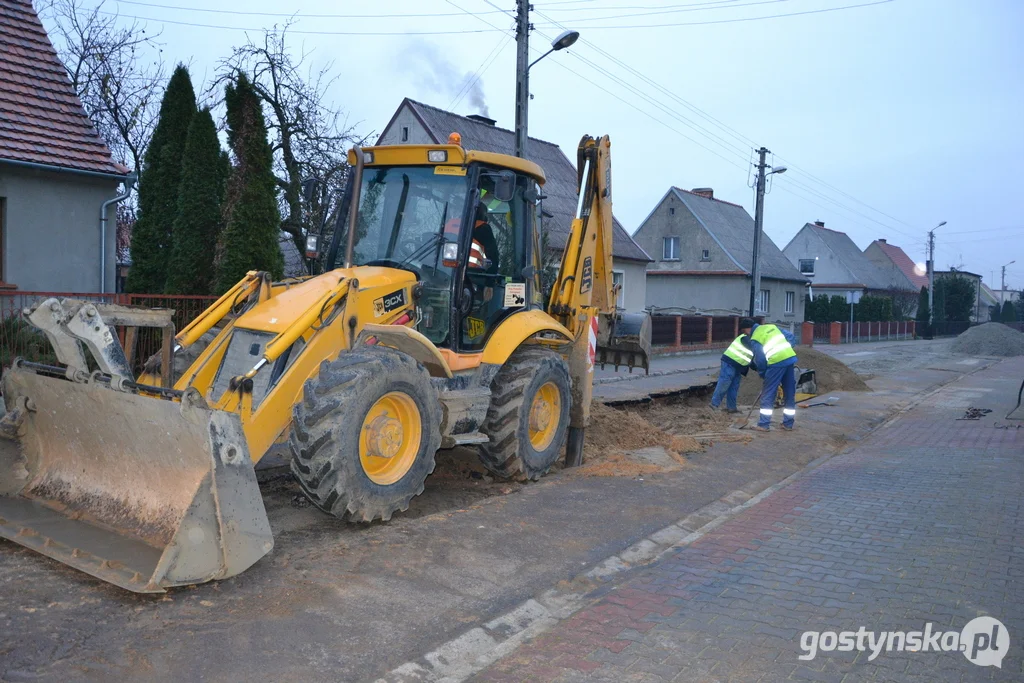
(807, 334)
(735, 327)
(708, 334)
(679, 331)
(913, 328)
(835, 333)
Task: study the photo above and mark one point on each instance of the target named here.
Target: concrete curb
(478, 648)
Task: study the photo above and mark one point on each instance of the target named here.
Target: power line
(480, 71)
(299, 31)
(738, 19)
(685, 8)
(738, 136)
(296, 14)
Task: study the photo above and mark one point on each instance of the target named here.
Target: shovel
(830, 401)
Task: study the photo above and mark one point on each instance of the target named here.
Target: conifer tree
(252, 220)
(197, 226)
(159, 183)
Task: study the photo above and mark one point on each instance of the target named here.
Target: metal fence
(18, 338)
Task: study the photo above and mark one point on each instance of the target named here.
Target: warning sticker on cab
(449, 170)
(515, 294)
(388, 303)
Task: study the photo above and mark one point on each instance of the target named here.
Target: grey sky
(912, 107)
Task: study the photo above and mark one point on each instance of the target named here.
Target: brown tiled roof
(906, 265)
(41, 117)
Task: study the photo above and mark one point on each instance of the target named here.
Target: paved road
(921, 524)
(679, 373)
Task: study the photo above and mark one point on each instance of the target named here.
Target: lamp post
(523, 65)
(1002, 284)
(931, 276)
(755, 266)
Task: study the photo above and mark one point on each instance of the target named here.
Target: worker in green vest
(775, 361)
(735, 363)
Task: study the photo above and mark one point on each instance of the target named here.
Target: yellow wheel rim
(545, 413)
(390, 438)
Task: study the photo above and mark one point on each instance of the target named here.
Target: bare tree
(114, 67)
(310, 137)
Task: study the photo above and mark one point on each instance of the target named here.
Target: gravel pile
(990, 339)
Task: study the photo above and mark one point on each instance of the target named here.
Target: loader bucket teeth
(138, 491)
(625, 339)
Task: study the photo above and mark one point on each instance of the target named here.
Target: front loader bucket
(1017, 412)
(625, 339)
(142, 492)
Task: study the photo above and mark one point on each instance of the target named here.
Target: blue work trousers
(728, 386)
(783, 373)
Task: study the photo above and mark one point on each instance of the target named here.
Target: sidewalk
(922, 523)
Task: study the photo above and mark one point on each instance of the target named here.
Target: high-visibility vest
(739, 352)
(776, 348)
(476, 255)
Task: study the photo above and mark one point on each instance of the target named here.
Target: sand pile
(614, 430)
(990, 339)
(832, 375)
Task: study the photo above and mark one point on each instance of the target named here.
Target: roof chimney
(480, 118)
(882, 240)
(705, 192)
(820, 224)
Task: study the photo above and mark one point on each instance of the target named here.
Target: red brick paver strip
(921, 524)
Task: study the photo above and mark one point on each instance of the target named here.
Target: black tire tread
(319, 418)
(501, 455)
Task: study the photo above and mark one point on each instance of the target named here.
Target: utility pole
(755, 267)
(523, 27)
(931, 278)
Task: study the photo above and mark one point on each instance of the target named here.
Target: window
(763, 301)
(670, 249)
(672, 211)
(807, 266)
(619, 280)
(405, 133)
(705, 254)
(790, 301)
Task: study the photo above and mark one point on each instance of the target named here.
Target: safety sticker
(515, 294)
(449, 170)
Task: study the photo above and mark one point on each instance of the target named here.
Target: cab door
(498, 248)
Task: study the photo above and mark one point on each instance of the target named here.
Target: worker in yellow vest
(775, 361)
(735, 362)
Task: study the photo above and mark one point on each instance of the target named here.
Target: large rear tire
(528, 418)
(365, 434)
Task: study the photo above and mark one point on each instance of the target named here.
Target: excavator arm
(583, 297)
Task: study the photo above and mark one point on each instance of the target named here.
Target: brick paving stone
(922, 522)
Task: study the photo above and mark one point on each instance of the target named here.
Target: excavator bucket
(624, 339)
(142, 492)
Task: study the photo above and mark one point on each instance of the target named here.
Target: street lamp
(523, 66)
(931, 275)
(1002, 283)
(755, 266)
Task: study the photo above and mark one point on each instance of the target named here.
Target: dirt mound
(832, 375)
(614, 430)
(990, 339)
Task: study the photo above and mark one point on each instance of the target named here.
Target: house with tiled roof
(901, 270)
(416, 123)
(55, 171)
(703, 249)
(833, 262)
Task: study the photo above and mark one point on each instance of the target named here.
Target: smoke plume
(436, 75)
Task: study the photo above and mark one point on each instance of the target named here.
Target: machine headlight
(450, 254)
(437, 156)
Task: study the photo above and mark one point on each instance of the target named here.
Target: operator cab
(465, 223)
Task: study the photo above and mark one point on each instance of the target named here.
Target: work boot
(759, 428)
(788, 428)
(732, 411)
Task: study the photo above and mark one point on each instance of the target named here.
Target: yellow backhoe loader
(428, 330)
